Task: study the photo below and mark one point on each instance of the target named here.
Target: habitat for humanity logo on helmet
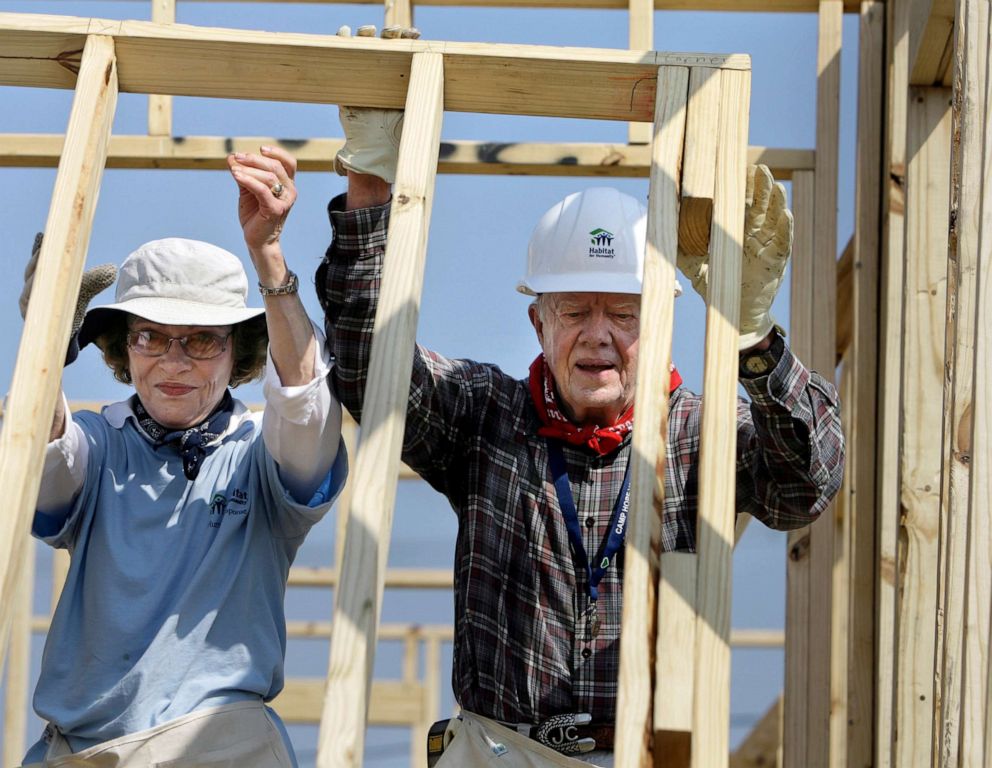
(602, 244)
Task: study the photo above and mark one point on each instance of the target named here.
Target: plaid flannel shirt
(523, 650)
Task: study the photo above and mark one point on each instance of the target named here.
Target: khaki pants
(240, 735)
(477, 741)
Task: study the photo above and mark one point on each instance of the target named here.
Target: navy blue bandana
(193, 443)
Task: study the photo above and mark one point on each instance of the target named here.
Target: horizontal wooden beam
(37, 150)
(392, 702)
(761, 6)
(181, 60)
(396, 578)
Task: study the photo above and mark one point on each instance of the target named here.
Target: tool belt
(569, 734)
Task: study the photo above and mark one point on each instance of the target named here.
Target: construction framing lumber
(863, 359)
(640, 36)
(242, 64)
(762, 747)
(17, 693)
(927, 198)
(698, 168)
(35, 384)
(715, 521)
(359, 600)
(797, 599)
(637, 675)
(931, 42)
(969, 594)
(160, 107)
(461, 157)
(760, 6)
(827, 644)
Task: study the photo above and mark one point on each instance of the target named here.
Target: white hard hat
(591, 241)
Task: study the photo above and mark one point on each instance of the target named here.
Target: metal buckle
(561, 733)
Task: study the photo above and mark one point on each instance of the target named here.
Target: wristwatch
(292, 285)
(760, 363)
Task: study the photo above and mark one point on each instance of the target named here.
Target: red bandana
(603, 440)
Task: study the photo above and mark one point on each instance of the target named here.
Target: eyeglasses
(198, 346)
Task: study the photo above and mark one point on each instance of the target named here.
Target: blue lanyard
(612, 542)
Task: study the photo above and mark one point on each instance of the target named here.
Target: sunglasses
(198, 346)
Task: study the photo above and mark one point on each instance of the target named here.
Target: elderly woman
(181, 509)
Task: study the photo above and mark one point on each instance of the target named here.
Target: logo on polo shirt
(221, 505)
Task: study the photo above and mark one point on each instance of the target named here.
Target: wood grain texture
(160, 107)
(35, 384)
(17, 692)
(699, 164)
(313, 154)
(359, 600)
(827, 546)
(924, 301)
(640, 37)
(634, 718)
(890, 375)
(245, 64)
(797, 598)
(969, 461)
(862, 445)
(715, 526)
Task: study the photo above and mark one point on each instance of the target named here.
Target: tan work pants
(240, 735)
(475, 741)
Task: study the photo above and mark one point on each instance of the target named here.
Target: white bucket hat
(175, 281)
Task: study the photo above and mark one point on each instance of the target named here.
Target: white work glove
(767, 247)
(372, 136)
(93, 282)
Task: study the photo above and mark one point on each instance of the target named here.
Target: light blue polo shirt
(174, 597)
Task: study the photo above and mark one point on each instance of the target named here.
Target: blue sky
(476, 250)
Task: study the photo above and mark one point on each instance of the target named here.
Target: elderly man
(536, 469)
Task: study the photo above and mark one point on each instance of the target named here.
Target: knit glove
(93, 282)
(372, 136)
(767, 247)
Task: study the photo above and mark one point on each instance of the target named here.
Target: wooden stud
(715, 522)
(699, 168)
(634, 719)
(17, 695)
(826, 722)
(358, 603)
(797, 601)
(890, 376)
(35, 384)
(398, 13)
(516, 158)
(927, 200)
(845, 301)
(862, 464)
(160, 107)
(177, 59)
(640, 20)
(965, 683)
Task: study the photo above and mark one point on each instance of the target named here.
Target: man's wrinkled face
(590, 343)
